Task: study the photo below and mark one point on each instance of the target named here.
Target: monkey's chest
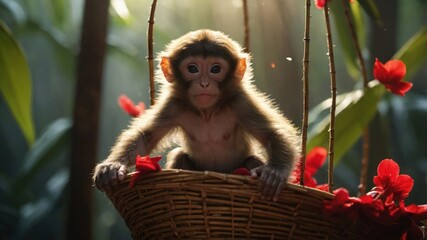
(211, 133)
(217, 144)
(220, 131)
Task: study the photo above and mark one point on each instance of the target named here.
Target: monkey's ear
(241, 69)
(166, 69)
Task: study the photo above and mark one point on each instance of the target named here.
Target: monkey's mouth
(205, 98)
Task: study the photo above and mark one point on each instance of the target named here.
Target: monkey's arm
(280, 139)
(141, 138)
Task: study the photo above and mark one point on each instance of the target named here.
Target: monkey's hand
(107, 175)
(271, 181)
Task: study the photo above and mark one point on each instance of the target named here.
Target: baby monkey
(208, 100)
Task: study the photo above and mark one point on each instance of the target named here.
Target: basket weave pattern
(175, 204)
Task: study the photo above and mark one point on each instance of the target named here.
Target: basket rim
(206, 192)
(223, 176)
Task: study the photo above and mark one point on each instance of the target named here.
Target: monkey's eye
(216, 69)
(192, 68)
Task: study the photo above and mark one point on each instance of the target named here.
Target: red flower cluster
(314, 160)
(145, 165)
(391, 74)
(129, 107)
(383, 208)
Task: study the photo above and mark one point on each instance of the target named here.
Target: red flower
(242, 171)
(417, 212)
(395, 187)
(382, 209)
(129, 107)
(391, 74)
(145, 165)
(314, 160)
(320, 3)
(340, 203)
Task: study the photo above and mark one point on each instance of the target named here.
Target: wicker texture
(175, 204)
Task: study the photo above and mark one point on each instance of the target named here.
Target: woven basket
(174, 204)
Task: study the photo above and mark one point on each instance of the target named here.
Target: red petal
(242, 171)
(340, 204)
(140, 107)
(376, 192)
(402, 186)
(147, 165)
(388, 167)
(128, 106)
(366, 199)
(399, 88)
(418, 213)
(390, 72)
(393, 213)
(296, 173)
(371, 208)
(387, 171)
(135, 178)
(323, 187)
(396, 70)
(320, 3)
(309, 181)
(391, 75)
(380, 72)
(341, 196)
(315, 159)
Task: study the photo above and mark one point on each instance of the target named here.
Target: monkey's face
(204, 76)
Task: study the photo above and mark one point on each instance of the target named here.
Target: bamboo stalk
(246, 24)
(333, 96)
(150, 57)
(365, 137)
(305, 80)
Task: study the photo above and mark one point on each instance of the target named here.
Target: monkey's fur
(207, 99)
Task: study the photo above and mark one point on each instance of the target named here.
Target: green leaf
(51, 141)
(9, 219)
(345, 38)
(121, 11)
(354, 111)
(15, 83)
(359, 24)
(14, 9)
(35, 212)
(372, 10)
(58, 10)
(414, 52)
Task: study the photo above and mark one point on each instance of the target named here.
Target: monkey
(208, 100)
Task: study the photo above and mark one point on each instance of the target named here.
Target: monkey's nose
(204, 84)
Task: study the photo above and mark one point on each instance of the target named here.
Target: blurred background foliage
(39, 42)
